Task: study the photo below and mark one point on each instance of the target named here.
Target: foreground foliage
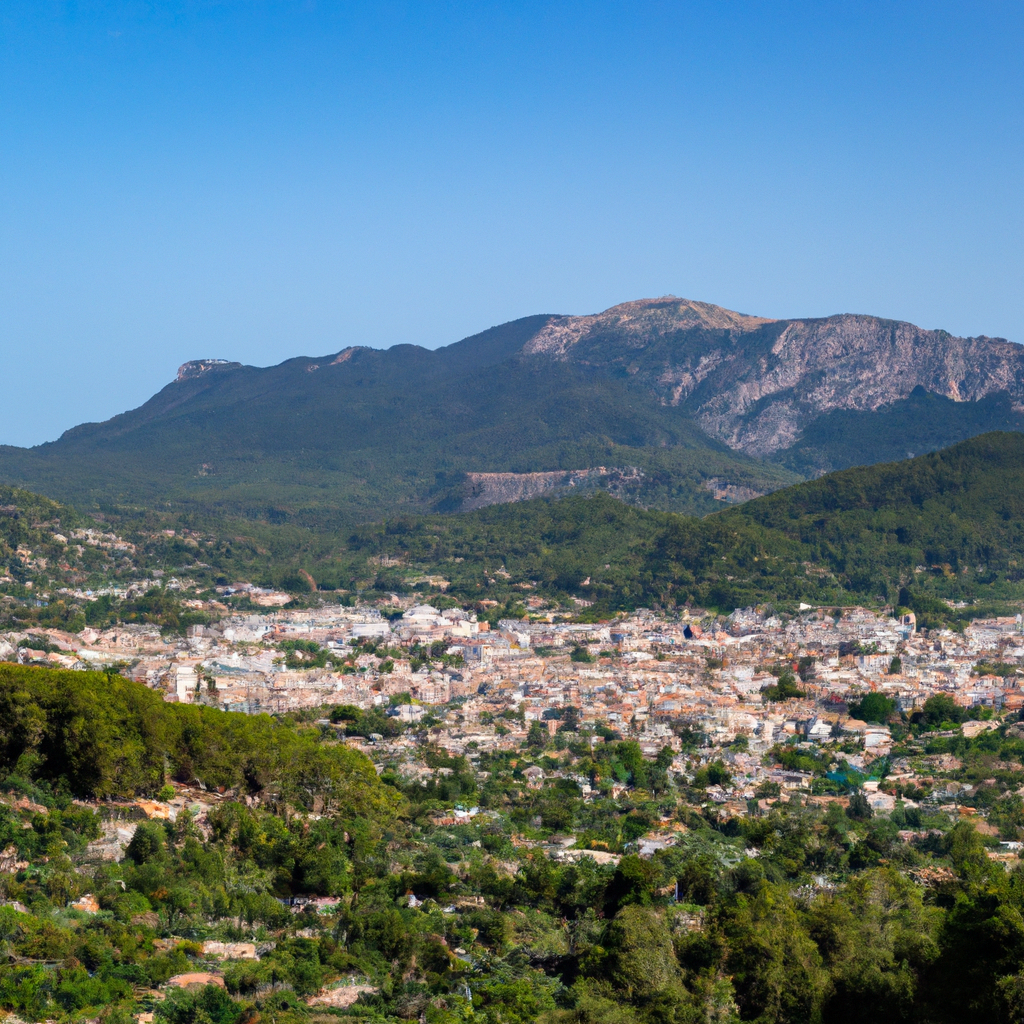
(798, 914)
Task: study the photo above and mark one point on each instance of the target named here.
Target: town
(743, 710)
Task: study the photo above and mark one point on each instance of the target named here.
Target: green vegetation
(90, 734)
(327, 442)
(873, 707)
(924, 422)
(791, 914)
(984, 668)
(784, 689)
(937, 529)
(940, 534)
(940, 709)
(926, 533)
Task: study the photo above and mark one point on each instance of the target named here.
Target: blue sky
(257, 180)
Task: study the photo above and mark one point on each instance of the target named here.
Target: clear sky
(255, 180)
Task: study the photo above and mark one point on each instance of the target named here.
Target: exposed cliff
(755, 384)
(484, 489)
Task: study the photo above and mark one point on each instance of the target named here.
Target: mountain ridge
(684, 392)
(969, 369)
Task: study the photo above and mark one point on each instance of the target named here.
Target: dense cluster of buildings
(473, 687)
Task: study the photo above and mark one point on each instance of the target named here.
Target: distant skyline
(255, 181)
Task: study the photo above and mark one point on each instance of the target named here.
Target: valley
(548, 754)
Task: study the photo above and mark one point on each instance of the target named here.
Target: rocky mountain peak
(638, 323)
(756, 383)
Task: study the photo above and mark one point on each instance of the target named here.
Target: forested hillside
(305, 871)
(788, 913)
(89, 734)
(925, 532)
(946, 525)
(922, 422)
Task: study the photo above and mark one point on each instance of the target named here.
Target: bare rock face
(485, 489)
(755, 383)
(197, 367)
(636, 323)
(851, 362)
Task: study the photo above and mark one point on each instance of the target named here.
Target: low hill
(924, 532)
(94, 735)
(945, 525)
(948, 523)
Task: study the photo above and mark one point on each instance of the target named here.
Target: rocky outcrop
(724, 490)
(197, 367)
(484, 489)
(850, 362)
(755, 383)
(636, 323)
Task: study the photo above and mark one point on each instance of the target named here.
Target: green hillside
(333, 441)
(93, 735)
(945, 527)
(922, 423)
(927, 930)
(291, 870)
(942, 525)
(947, 523)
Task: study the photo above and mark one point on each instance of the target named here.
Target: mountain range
(667, 403)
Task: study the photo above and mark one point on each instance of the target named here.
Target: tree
(570, 719)
(713, 774)
(941, 707)
(665, 757)
(775, 965)
(148, 842)
(858, 808)
(642, 959)
(537, 736)
(208, 1005)
(634, 881)
(784, 689)
(876, 937)
(873, 707)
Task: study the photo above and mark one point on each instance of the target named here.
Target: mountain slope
(940, 528)
(948, 525)
(922, 422)
(366, 431)
(666, 401)
(755, 384)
